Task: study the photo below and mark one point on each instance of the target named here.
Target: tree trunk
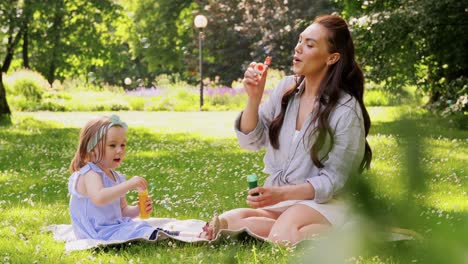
(12, 42)
(5, 113)
(25, 47)
(27, 17)
(9, 55)
(56, 31)
(434, 97)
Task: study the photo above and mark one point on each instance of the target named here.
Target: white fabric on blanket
(189, 233)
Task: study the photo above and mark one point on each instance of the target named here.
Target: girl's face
(114, 151)
(311, 52)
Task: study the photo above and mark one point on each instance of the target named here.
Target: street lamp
(200, 22)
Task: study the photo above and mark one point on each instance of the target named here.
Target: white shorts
(336, 211)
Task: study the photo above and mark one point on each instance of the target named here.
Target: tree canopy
(419, 42)
(399, 42)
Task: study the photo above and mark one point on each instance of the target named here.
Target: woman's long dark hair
(345, 75)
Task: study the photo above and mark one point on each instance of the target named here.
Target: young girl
(98, 207)
(314, 127)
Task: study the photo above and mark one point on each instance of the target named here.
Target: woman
(314, 127)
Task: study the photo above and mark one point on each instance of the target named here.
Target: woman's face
(311, 52)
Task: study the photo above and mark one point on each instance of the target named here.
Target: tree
(65, 38)
(159, 33)
(12, 21)
(241, 31)
(73, 38)
(412, 42)
(164, 38)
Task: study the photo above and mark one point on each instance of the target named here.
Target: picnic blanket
(189, 230)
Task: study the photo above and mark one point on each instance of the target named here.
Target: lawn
(195, 168)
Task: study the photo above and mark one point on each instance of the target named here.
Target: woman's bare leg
(296, 223)
(258, 221)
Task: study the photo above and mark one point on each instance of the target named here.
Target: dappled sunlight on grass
(392, 113)
(447, 183)
(27, 213)
(447, 198)
(386, 167)
(384, 113)
(4, 176)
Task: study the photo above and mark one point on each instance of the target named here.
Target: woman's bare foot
(211, 229)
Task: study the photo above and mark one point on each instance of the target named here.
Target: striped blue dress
(102, 222)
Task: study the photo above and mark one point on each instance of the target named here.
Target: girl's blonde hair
(88, 133)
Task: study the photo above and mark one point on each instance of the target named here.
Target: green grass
(196, 169)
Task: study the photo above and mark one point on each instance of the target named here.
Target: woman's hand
(268, 196)
(275, 194)
(254, 83)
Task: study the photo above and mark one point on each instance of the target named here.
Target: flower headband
(114, 121)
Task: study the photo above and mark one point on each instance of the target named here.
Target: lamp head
(200, 21)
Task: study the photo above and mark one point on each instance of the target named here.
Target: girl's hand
(149, 205)
(254, 83)
(268, 196)
(138, 183)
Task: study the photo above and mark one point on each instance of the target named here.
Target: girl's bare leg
(258, 221)
(297, 223)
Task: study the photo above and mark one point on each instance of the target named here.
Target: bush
(136, 103)
(21, 103)
(30, 84)
(112, 88)
(52, 106)
(74, 84)
(161, 104)
(454, 103)
(80, 84)
(118, 106)
(57, 95)
(457, 101)
(95, 107)
(382, 95)
(224, 98)
(170, 81)
(376, 98)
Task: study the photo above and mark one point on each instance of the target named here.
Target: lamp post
(200, 22)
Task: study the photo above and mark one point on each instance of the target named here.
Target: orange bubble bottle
(142, 198)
